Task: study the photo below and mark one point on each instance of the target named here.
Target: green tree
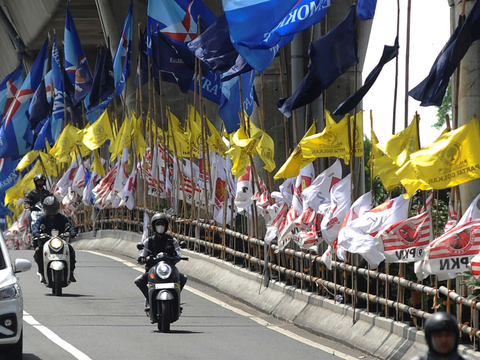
(445, 109)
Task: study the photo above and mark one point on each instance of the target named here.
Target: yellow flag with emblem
(49, 164)
(240, 160)
(401, 145)
(215, 140)
(99, 132)
(66, 144)
(29, 158)
(409, 180)
(332, 141)
(266, 151)
(296, 161)
(451, 160)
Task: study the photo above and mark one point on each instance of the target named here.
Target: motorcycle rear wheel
(164, 323)
(57, 283)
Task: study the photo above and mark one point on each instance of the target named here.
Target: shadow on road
(179, 332)
(69, 295)
(24, 357)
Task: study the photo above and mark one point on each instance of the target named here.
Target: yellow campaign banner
(49, 163)
(99, 132)
(66, 144)
(266, 151)
(409, 180)
(401, 145)
(332, 141)
(385, 169)
(451, 160)
(296, 161)
(97, 166)
(27, 160)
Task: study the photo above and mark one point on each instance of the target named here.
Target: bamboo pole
(407, 60)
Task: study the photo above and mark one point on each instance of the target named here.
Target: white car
(11, 304)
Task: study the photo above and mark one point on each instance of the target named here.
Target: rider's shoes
(72, 278)
(147, 306)
(41, 278)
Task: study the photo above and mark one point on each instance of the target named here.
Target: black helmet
(39, 177)
(51, 205)
(441, 321)
(158, 219)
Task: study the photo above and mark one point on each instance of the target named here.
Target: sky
(429, 31)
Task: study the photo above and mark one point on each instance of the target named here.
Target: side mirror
(140, 246)
(21, 265)
(183, 244)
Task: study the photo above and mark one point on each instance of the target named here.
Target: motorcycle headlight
(163, 270)
(56, 243)
(10, 292)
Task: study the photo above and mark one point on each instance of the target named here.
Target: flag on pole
(8, 89)
(122, 58)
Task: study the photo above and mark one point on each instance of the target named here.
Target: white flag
(67, 179)
(146, 221)
(357, 237)
(341, 199)
(243, 198)
(128, 192)
(122, 174)
(221, 192)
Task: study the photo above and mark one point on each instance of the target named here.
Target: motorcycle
(56, 260)
(163, 289)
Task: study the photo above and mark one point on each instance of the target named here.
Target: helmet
(441, 321)
(51, 205)
(39, 177)
(160, 219)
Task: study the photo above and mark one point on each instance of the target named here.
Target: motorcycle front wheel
(57, 283)
(164, 323)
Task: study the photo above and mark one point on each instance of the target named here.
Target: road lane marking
(54, 337)
(238, 311)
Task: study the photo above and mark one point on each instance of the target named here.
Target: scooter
(163, 289)
(56, 260)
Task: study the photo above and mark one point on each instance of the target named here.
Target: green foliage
(472, 282)
(445, 109)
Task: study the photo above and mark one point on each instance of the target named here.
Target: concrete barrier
(374, 335)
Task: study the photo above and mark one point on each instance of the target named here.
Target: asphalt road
(101, 317)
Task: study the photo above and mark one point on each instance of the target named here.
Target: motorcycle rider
(38, 194)
(159, 242)
(442, 336)
(52, 219)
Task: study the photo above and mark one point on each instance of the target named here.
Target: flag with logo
(452, 252)
(16, 137)
(98, 133)
(8, 89)
(358, 236)
(451, 160)
(406, 240)
(122, 58)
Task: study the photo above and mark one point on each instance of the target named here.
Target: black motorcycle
(163, 289)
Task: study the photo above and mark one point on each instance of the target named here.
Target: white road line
(54, 337)
(238, 311)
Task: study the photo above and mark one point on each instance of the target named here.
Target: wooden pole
(407, 60)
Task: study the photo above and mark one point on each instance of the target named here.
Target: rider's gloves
(141, 260)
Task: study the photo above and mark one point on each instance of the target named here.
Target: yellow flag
(451, 160)
(215, 140)
(99, 132)
(266, 151)
(410, 181)
(123, 139)
(296, 161)
(27, 160)
(66, 144)
(401, 145)
(49, 163)
(173, 122)
(179, 143)
(332, 141)
(25, 184)
(140, 144)
(97, 166)
(240, 160)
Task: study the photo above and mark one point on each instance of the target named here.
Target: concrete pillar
(468, 94)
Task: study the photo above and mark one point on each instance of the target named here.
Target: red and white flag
(221, 193)
(104, 187)
(452, 218)
(243, 198)
(341, 200)
(358, 236)
(406, 240)
(128, 191)
(122, 173)
(452, 252)
(475, 266)
(67, 179)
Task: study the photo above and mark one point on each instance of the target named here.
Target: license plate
(57, 257)
(165, 286)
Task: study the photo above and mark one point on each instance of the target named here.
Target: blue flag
(214, 48)
(240, 67)
(16, 137)
(8, 176)
(76, 63)
(330, 57)
(177, 19)
(259, 28)
(431, 90)
(103, 81)
(366, 9)
(8, 89)
(39, 108)
(230, 104)
(389, 53)
(122, 59)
